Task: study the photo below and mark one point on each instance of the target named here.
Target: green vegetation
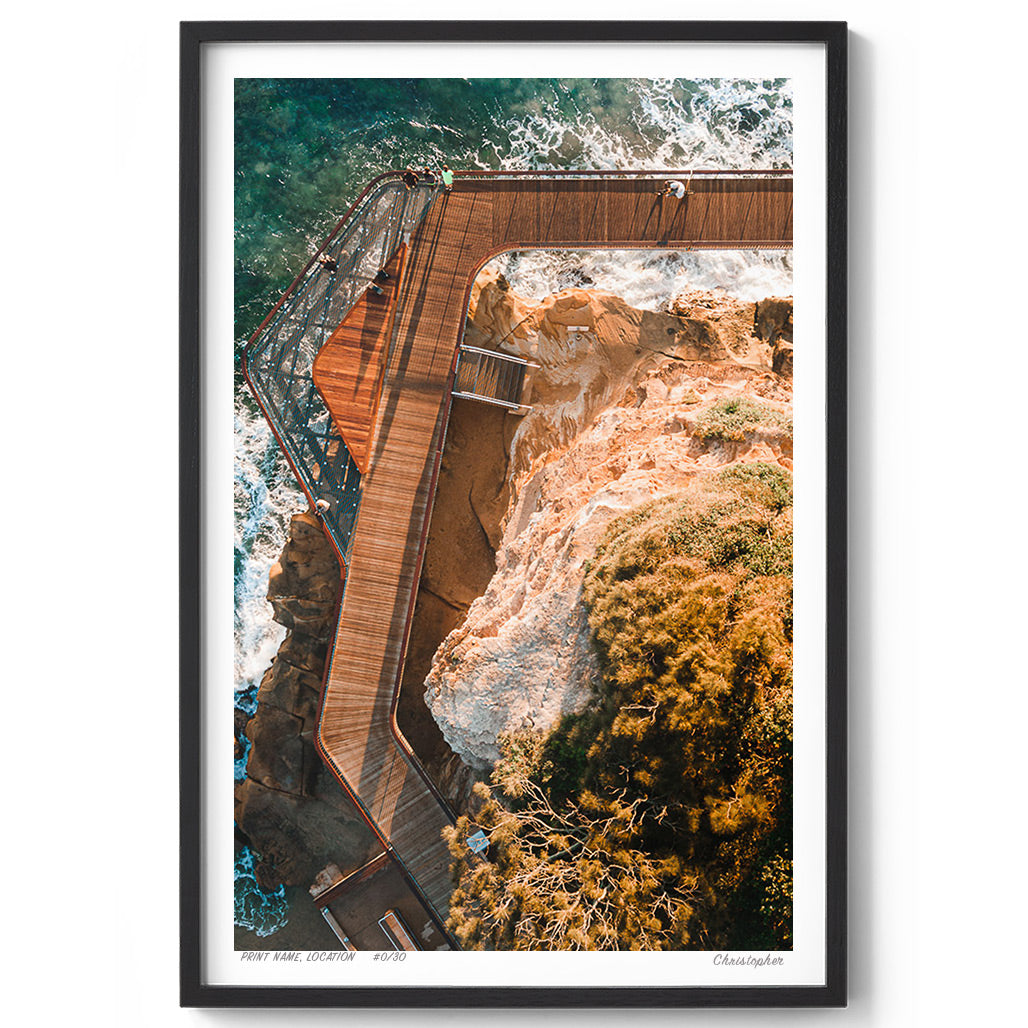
(661, 817)
(767, 485)
(732, 418)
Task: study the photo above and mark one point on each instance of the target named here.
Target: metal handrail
(278, 359)
(350, 220)
(499, 354)
(625, 173)
(321, 249)
(513, 173)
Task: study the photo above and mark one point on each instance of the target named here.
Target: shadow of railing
(279, 358)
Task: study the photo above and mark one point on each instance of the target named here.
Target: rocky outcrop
(616, 407)
(290, 809)
(773, 324)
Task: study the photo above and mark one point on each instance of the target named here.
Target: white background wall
(937, 342)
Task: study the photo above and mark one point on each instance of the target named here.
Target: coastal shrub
(743, 522)
(732, 417)
(765, 484)
(661, 816)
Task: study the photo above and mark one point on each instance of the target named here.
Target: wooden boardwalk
(482, 216)
(350, 366)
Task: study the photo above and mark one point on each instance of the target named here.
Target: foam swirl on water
(264, 497)
(260, 912)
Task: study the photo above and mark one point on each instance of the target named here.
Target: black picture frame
(194, 36)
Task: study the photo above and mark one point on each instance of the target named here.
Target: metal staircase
(492, 377)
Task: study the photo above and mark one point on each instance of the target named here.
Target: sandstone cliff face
(289, 807)
(619, 404)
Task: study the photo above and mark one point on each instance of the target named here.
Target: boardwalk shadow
(408, 321)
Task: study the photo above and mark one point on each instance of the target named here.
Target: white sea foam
(265, 496)
(649, 280)
(728, 124)
(724, 124)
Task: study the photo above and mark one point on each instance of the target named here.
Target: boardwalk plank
(349, 367)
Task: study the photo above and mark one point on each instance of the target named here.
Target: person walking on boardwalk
(673, 187)
(410, 178)
(447, 177)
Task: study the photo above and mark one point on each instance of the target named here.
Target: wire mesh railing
(279, 359)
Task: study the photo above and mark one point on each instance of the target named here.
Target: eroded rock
(615, 405)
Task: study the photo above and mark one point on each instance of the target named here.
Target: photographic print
(514, 457)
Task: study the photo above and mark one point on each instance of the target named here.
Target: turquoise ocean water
(304, 150)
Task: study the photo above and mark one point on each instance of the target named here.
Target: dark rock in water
(279, 766)
(295, 838)
(240, 718)
(289, 686)
(290, 809)
(303, 587)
